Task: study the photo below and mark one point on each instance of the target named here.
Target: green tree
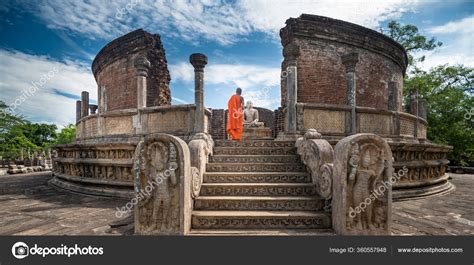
(449, 92)
(17, 134)
(410, 38)
(67, 135)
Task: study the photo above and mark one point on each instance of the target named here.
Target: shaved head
(238, 91)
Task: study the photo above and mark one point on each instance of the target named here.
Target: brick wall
(219, 122)
(114, 69)
(321, 74)
(279, 121)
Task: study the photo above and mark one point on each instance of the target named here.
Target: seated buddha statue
(251, 116)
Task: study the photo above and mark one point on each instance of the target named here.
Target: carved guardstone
(200, 148)
(162, 186)
(317, 155)
(362, 187)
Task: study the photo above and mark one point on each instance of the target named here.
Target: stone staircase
(258, 186)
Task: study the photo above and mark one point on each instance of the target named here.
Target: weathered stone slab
(163, 178)
(362, 186)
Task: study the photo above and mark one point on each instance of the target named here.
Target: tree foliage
(410, 38)
(18, 136)
(448, 91)
(67, 135)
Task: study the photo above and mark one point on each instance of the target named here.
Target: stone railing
(335, 120)
(176, 119)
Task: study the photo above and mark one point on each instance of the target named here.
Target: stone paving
(29, 206)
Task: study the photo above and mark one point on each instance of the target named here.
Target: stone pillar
(350, 60)
(199, 61)
(102, 99)
(392, 96)
(78, 110)
(422, 108)
(93, 108)
(84, 104)
(414, 109)
(142, 65)
(293, 52)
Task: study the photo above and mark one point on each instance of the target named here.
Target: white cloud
(465, 25)
(229, 74)
(193, 20)
(270, 15)
(458, 47)
(260, 84)
(20, 72)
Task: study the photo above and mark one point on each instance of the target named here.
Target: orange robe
(235, 118)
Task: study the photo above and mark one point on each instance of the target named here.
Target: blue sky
(49, 45)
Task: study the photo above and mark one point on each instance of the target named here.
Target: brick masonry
(219, 121)
(321, 74)
(114, 70)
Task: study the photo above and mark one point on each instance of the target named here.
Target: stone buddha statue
(251, 116)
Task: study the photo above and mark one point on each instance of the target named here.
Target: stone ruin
(341, 148)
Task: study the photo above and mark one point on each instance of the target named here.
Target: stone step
(255, 159)
(254, 143)
(253, 203)
(254, 151)
(258, 189)
(252, 177)
(263, 232)
(255, 167)
(260, 220)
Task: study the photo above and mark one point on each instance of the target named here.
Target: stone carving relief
(162, 185)
(94, 163)
(317, 154)
(200, 147)
(362, 185)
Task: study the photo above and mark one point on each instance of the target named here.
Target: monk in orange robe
(235, 115)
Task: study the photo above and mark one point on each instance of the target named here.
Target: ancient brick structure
(321, 79)
(114, 71)
(340, 129)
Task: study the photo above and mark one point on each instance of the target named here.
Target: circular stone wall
(321, 74)
(115, 72)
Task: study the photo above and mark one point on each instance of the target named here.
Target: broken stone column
(422, 108)
(293, 52)
(199, 61)
(78, 110)
(350, 60)
(93, 108)
(362, 186)
(84, 104)
(142, 65)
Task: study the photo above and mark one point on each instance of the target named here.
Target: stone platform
(31, 207)
(257, 133)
